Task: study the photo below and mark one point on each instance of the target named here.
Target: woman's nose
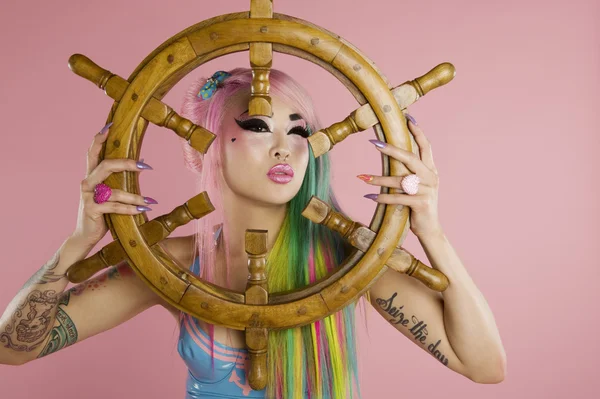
(281, 153)
(281, 145)
(280, 150)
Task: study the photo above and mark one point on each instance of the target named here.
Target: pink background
(513, 135)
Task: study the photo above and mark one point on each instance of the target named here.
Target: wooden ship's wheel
(138, 102)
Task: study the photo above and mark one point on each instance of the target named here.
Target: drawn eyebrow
(293, 117)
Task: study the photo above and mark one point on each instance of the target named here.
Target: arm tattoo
(418, 330)
(66, 334)
(46, 273)
(30, 329)
(63, 335)
(114, 273)
(25, 333)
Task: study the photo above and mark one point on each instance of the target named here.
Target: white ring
(410, 184)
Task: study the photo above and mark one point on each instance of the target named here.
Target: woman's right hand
(91, 226)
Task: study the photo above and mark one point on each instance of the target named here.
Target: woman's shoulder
(181, 249)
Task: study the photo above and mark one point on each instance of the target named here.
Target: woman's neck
(244, 213)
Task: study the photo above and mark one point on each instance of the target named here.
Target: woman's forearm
(29, 317)
(470, 324)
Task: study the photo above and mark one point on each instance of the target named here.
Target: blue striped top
(228, 377)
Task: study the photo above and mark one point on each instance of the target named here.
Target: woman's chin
(277, 194)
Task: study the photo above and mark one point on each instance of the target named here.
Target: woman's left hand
(424, 219)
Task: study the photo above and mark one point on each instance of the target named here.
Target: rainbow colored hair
(318, 359)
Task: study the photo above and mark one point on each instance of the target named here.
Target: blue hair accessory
(211, 84)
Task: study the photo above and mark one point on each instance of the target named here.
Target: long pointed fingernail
(371, 196)
(378, 143)
(365, 177)
(105, 128)
(150, 200)
(410, 118)
(142, 165)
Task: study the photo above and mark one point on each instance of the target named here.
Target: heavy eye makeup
(260, 126)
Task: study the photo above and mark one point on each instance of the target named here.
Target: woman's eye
(260, 126)
(300, 130)
(254, 125)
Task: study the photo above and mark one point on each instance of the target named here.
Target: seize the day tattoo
(418, 328)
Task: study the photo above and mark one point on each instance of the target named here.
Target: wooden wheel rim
(180, 55)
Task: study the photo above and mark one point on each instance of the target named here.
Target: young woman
(260, 173)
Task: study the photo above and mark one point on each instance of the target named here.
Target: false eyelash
(250, 124)
(255, 123)
(301, 131)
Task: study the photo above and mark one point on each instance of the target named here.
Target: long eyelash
(301, 131)
(255, 123)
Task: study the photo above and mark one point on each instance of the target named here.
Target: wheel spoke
(261, 61)
(361, 238)
(153, 232)
(364, 117)
(257, 294)
(155, 111)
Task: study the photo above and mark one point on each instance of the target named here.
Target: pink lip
(281, 173)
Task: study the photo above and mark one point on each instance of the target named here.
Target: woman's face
(253, 145)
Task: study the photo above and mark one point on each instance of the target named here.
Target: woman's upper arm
(418, 313)
(96, 305)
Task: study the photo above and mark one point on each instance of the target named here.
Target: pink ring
(101, 193)
(410, 184)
